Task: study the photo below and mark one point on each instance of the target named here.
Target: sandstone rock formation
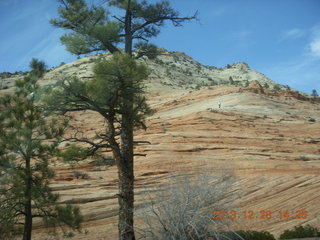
(269, 143)
(256, 87)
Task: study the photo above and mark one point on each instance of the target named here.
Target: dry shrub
(182, 209)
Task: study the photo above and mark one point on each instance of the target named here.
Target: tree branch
(120, 20)
(176, 21)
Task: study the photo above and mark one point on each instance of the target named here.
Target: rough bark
(126, 171)
(126, 200)
(28, 208)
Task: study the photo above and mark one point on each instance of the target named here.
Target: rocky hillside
(269, 145)
(267, 142)
(173, 69)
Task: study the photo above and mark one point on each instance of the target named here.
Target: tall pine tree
(28, 139)
(94, 28)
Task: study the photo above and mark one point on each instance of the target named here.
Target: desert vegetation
(306, 231)
(29, 137)
(103, 159)
(116, 91)
(182, 208)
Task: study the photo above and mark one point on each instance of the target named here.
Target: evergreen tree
(314, 93)
(28, 139)
(231, 80)
(95, 29)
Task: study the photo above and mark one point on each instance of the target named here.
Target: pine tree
(95, 29)
(231, 80)
(28, 139)
(314, 93)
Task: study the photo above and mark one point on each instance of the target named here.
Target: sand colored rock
(269, 143)
(256, 87)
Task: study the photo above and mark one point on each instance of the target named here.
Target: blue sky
(279, 38)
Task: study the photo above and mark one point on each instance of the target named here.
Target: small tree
(300, 232)
(28, 139)
(231, 80)
(277, 87)
(314, 93)
(249, 235)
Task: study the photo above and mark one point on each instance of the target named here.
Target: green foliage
(147, 49)
(159, 61)
(266, 85)
(250, 235)
(300, 232)
(79, 44)
(94, 29)
(114, 80)
(73, 154)
(314, 93)
(277, 87)
(119, 78)
(188, 72)
(38, 67)
(116, 92)
(29, 137)
(231, 81)
(68, 215)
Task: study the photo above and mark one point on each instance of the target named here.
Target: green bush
(73, 154)
(250, 235)
(231, 81)
(80, 175)
(276, 87)
(104, 161)
(300, 232)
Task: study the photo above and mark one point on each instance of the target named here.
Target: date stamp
(262, 214)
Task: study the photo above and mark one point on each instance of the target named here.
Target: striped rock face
(269, 145)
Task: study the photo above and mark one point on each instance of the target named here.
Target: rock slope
(174, 69)
(269, 143)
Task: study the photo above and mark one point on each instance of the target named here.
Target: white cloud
(293, 34)
(314, 45)
(301, 74)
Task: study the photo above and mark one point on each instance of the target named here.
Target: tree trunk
(128, 32)
(126, 202)
(126, 176)
(27, 207)
(126, 172)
